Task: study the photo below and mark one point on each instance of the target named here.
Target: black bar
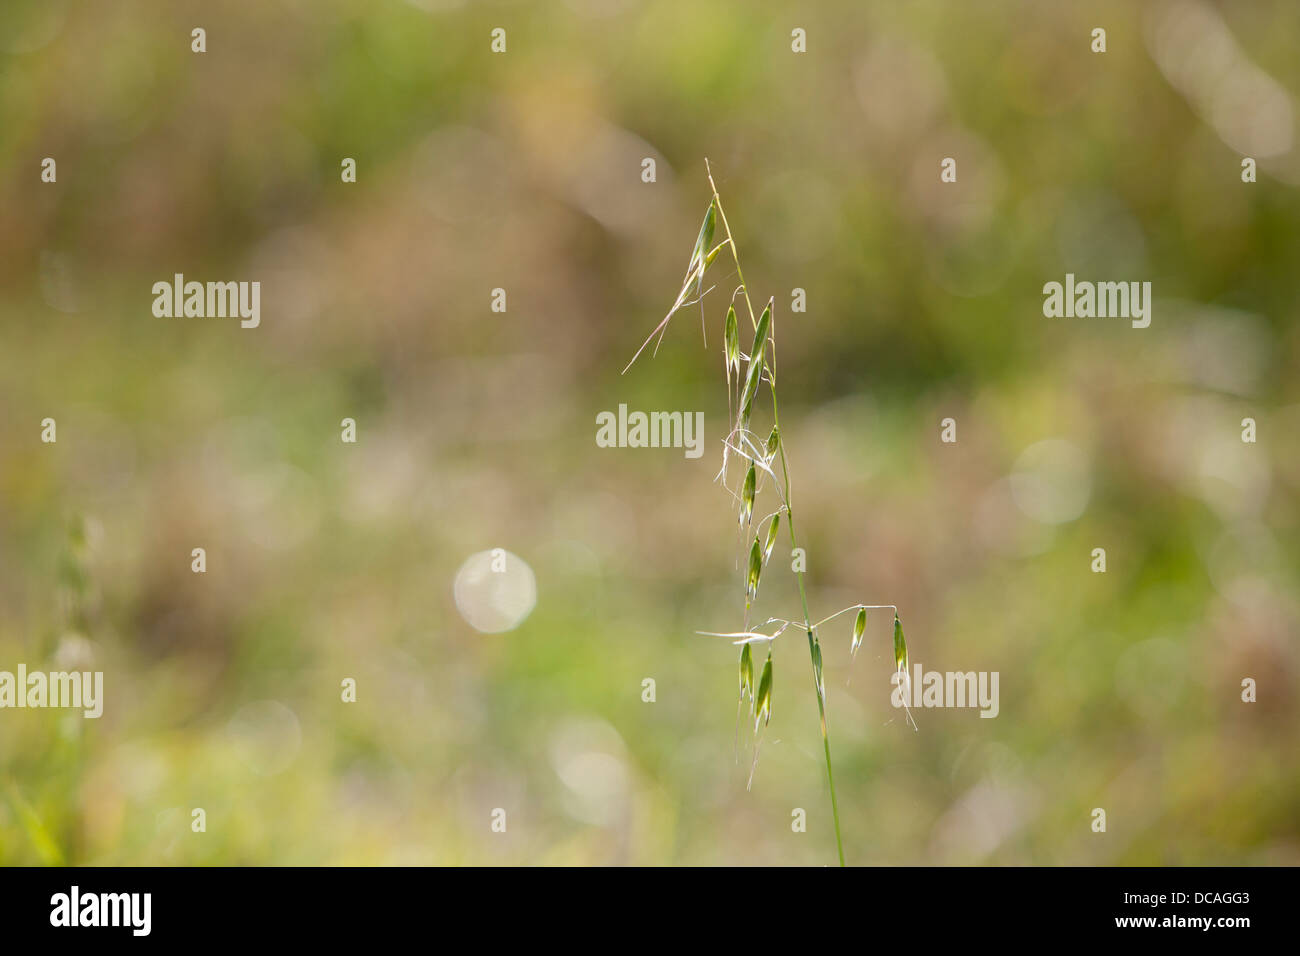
(337, 905)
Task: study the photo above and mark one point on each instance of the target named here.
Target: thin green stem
(803, 597)
(858, 607)
(799, 575)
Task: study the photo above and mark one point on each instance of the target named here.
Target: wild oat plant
(761, 463)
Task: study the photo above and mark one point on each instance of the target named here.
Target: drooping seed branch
(760, 458)
(814, 650)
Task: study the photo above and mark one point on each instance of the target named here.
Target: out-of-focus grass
(476, 430)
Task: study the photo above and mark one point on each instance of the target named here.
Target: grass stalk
(789, 511)
(744, 443)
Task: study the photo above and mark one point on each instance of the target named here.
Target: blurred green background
(476, 429)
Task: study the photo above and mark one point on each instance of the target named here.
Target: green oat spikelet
(755, 569)
(770, 541)
(732, 339)
(747, 495)
(900, 646)
(755, 371)
(900, 662)
(763, 704)
(699, 260)
(746, 673)
(704, 238)
(859, 628)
